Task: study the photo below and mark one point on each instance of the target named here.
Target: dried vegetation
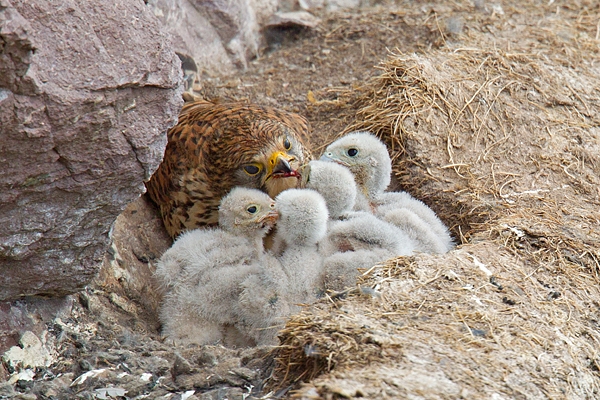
(498, 130)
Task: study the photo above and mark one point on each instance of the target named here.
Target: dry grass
(499, 131)
(480, 319)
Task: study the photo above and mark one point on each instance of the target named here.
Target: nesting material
(476, 322)
(498, 132)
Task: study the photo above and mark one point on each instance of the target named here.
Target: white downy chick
(302, 224)
(350, 230)
(341, 269)
(367, 157)
(417, 220)
(211, 264)
(263, 305)
(355, 239)
(368, 160)
(335, 183)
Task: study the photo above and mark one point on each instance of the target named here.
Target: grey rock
(29, 314)
(84, 105)
(219, 35)
(232, 393)
(181, 366)
(138, 240)
(6, 390)
(294, 18)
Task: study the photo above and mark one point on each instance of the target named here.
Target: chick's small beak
(331, 158)
(327, 157)
(269, 218)
(279, 165)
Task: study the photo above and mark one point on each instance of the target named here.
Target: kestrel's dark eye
(352, 152)
(287, 144)
(251, 169)
(252, 209)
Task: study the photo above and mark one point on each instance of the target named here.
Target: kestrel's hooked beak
(279, 166)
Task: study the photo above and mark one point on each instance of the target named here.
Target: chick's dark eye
(352, 152)
(251, 169)
(252, 209)
(287, 144)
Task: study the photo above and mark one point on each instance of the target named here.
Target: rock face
(228, 31)
(87, 91)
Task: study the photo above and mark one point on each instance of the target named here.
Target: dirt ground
(491, 115)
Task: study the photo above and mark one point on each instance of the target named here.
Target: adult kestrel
(215, 147)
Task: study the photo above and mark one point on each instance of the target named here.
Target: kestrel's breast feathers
(215, 147)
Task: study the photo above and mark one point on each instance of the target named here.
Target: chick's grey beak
(326, 157)
(330, 158)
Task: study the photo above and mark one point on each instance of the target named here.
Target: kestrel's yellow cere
(215, 147)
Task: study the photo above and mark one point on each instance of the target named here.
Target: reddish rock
(87, 92)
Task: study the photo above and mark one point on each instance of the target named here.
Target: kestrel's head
(271, 160)
(368, 159)
(247, 212)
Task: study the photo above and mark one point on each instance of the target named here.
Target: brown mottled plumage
(215, 147)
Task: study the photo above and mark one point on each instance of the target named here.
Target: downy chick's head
(335, 183)
(368, 159)
(247, 212)
(302, 217)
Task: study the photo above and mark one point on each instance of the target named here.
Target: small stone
(224, 393)
(294, 18)
(25, 396)
(311, 4)
(333, 5)
(90, 374)
(24, 384)
(245, 373)
(123, 303)
(180, 366)
(84, 299)
(6, 390)
(188, 395)
(109, 393)
(206, 358)
(30, 354)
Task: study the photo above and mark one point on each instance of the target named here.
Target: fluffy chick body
(302, 225)
(355, 239)
(367, 158)
(205, 270)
